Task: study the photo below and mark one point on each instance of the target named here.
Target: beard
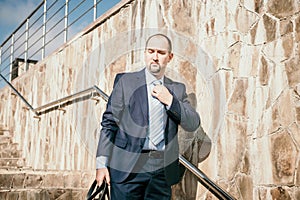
(154, 68)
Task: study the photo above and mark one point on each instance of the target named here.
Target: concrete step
(11, 163)
(10, 154)
(36, 185)
(9, 150)
(44, 194)
(5, 139)
(9, 146)
(4, 131)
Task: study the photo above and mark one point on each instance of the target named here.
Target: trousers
(146, 182)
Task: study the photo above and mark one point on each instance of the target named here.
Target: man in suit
(138, 147)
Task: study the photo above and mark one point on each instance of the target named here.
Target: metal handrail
(17, 93)
(57, 103)
(205, 181)
(202, 178)
(39, 40)
(60, 102)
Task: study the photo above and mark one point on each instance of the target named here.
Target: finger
(158, 89)
(99, 182)
(154, 93)
(99, 178)
(154, 90)
(107, 178)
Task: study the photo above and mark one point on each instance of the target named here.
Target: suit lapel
(141, 97)
(168, 84)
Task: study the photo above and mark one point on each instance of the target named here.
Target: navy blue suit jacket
(125, 123)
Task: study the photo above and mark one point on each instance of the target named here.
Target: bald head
(160, 36)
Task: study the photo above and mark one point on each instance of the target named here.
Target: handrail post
(66, 21)
(44, 29)
(95, 10)
(12, 53)
(26, 45)
(0, 56)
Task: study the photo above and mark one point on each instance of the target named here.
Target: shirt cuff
(101, 162)
(169, 106)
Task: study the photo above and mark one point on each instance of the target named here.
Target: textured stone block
(244, 19)
(270, 28)
(54, 180)
(245, 184)
(18, 181)
(293, 71)
(181, 12)
(55, 193)
(12, 162)
(264, 72)
(6, 181)
(281, 8)
(280, 193)
(286, 26)
(238, 100)
(78, 195)
(12, 195)
(87, 179)
(284, 155)
(3, 195)
(33, 180)
(72, 180)
(297, 28)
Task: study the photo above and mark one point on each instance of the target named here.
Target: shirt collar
(150, 78)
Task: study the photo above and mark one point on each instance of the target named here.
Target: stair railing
(17, 93)
(95, 91)
(51, 24)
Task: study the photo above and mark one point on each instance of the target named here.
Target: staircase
(18, 181)
(10, 156)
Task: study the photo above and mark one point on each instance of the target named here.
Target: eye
(162, 52)
(150, 51)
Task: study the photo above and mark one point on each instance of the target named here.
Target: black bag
(102, 191)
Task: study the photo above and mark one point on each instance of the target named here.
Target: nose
(155, 56)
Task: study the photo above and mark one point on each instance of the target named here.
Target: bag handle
(103, 188)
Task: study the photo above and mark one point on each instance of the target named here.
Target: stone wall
(239, 59)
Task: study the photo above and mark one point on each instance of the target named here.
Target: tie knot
(157, 82)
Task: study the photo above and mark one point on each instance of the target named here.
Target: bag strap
(105, 193)
(103, 188)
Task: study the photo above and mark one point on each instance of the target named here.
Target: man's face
(157, 56)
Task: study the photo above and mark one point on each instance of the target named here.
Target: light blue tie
(156, 123)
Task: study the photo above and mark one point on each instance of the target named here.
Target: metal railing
(94, 90)
(50, 25)
(205, 180)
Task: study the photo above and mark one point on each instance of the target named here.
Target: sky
(13, 13)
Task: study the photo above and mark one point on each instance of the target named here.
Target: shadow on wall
(195, 147)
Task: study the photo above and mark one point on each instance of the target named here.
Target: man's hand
(102, 174)
(162, 94)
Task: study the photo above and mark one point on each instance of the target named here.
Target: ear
(170, 56)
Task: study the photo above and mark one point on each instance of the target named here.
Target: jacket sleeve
(111, 118)
(181, 110)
